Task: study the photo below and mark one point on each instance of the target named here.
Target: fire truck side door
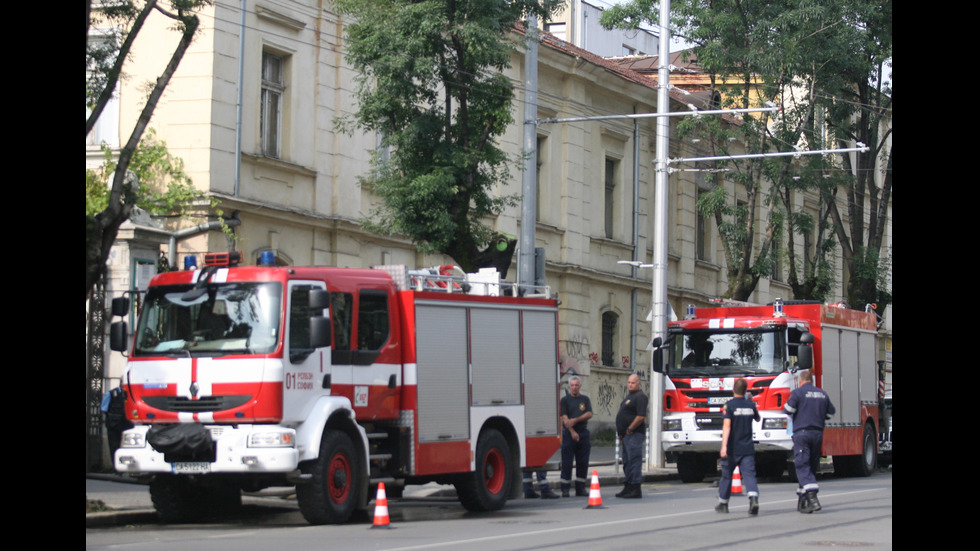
(306, 370)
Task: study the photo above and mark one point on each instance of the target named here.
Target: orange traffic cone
(595, 497)
(736, 482)
(381, 508)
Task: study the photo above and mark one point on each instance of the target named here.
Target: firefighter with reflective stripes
(737, 448)
(810, 407)
(576, 410)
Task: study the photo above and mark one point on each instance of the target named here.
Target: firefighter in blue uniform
(576, 410)
(809, 407)
(737, 449)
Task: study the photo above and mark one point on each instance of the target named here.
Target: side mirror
(658, 355)
(118, 336)
(319, 331)
(804, 353)
(120, 306)
(319, 299)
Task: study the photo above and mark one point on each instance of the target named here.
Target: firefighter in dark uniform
(809, 407)
(576, 410)
(737, 449)
(630, 424)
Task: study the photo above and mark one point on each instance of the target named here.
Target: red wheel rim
(494, 472)
(338, 478)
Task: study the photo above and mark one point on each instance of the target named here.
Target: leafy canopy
(431, 84)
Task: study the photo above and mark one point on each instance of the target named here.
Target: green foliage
(431, 85)
(806, 56)
(165, 188)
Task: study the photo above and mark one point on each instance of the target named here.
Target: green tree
(165, 188)
(801, 56)
(120, 22)
(431, 84)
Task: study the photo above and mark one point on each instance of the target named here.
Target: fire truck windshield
(230, 318)
(727, 354)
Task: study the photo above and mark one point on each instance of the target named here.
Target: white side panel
(830, 379)
(496, 357)
(850, 384)
(443, 380)
(868, 353)
(540, 374)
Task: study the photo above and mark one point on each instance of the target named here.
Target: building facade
(280, 166)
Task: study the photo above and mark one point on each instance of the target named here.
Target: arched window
(610, 323)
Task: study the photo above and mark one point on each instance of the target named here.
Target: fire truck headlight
(672, 424)
(132, 439)
(774, 423)
(284, 438)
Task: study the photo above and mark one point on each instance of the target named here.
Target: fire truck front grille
(709, 421)
(205, 403)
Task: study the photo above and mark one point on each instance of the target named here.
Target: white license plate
(718, 400)
(196, 467)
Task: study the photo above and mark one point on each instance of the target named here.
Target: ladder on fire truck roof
(452, 279)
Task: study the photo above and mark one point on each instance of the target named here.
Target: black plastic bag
(189, 441)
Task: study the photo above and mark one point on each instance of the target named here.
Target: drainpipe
(200, 228)
(238, 114)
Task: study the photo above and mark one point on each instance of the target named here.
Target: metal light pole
(658, 321)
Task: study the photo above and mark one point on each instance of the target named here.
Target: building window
(106, 129)
(273, 86)
(777, 264)
(628, 51)
(538, 178)
(700, 232)
(610, 198)
(557, 29)
(610, 321)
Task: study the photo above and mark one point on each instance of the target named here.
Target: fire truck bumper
(242, 449)
(681, 434)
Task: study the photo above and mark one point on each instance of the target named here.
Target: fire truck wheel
(487, 488)
(690, 467)
(865, 463)
(182, 499)
(330, 496)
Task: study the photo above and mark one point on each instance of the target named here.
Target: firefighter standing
(630, 423)
(576, 410)
(114, 408)
(737, 449)
(809, 408)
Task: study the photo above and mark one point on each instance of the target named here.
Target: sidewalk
(129, 500)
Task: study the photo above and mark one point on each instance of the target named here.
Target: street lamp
(655, 456)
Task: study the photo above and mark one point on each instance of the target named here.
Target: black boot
(531, 494)
(580, 490)
(815, 503)
(626, 488)
(548, 494)
(633, 493)
(808, 505)
(722, 507)
(753, 505)
(801, 499)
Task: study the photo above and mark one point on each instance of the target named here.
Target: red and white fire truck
(706, 352)
(332, 380)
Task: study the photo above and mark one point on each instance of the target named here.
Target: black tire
(179, 499)
(487, 488)
(330, 496)
(866, 463)
(689, 467)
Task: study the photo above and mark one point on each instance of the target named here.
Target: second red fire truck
(332, 380)
(707, 351)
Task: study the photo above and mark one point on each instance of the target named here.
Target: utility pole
(529, 188)
(659, 306)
